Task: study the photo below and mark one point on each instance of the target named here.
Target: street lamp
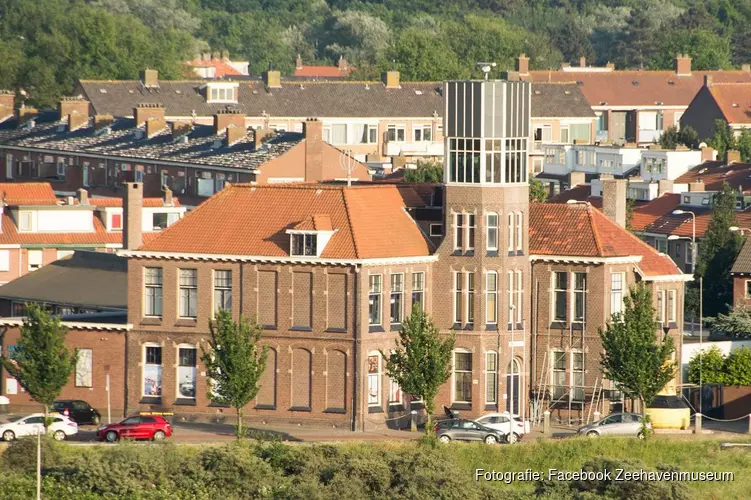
(739, 229)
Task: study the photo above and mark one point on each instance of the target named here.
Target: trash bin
(4, 403)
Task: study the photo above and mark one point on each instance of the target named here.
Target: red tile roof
(649, 212)
(370, 222)
(221, 67)
(638, 88)
(99, 237)
(27, 193)
(323, 71)
(580, 230)
(118, 202)
(714, 173)
(734, 101)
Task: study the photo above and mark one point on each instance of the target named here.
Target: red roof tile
(221, 67)
(99, 237)
(369, 222)
(118, 202)
(323, 71)
(28, 193)
(734, 100)
(714, 173)
(580, 230)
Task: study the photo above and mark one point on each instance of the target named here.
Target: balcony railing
(422, 148)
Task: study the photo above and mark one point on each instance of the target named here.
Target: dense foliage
(710, 366)
(736, 323)
(47, 44)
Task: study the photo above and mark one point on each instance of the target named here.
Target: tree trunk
(429, 422)
(46, 418)
(239, 423)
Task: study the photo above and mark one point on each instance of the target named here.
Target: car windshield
(14, 419)
(57, 406)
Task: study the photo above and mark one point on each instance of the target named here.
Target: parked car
(514, 428)
(78, 410)
(616, 424)
(60, 428)
(459, 429)
(154, 427)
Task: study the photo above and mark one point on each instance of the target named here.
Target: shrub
(21, 455)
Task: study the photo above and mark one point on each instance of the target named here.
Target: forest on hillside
(48, 44)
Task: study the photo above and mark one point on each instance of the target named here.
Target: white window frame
(660, 306)
(181, 305)
(491, 228)
(511, 296)
(35, 263)
(418, 287)
(144, 364)
(374, 380)
(397, 129)
(25, 221)
(470, 296)
(180, 347)
(491, 374)
(519, 296)
(458, 294)
(557, 390)
(436, 234)
(454, 373)
(562, 291)
(470, 225)
(395, 393)
(377, 293)
(579, 293)
(491, 292)
(459, 231)
(520, 231)
(574, 387)
(616, 294)
(397, 293)
(147, 286)
(510, 231)
(220, 290)
(672, 306)
(420, 130)
(4, 260)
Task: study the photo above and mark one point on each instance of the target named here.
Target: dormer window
(221, 92)
(304, 245)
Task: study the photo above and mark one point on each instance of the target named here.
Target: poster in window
(11, 386)
(186, 381)
(152, 380)
(84, 365)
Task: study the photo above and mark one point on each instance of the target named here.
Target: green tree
(538, 193)
(722, 140)
(686, 136)
(717, 253)
(633, 358)
(738, 366)
(707, 367)
(425, 172)
(41, 362)
(234, 362)
(743, 144)
(736, 323)
(421, 361)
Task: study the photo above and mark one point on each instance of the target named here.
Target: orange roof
(315, 223)
(28, 193)
(369, 222)
(638, 88)
(733, 100)
(648, 213)
(323, 71)
(118, 202)
(580, 230)
(221, 67)
(99, 237)
(714, 173)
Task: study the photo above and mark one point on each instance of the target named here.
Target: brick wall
(739, 291)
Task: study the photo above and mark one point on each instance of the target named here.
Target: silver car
(615, 424)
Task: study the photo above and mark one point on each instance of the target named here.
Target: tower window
(464, 160)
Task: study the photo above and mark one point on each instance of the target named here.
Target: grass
(569, 455)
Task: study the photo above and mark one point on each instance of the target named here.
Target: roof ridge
(595, 232)
(349, 222)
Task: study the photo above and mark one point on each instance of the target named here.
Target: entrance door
(513, 387)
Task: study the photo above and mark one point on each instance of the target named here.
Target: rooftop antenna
(348, 163)
(486, 67)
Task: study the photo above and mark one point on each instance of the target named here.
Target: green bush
(21, 455)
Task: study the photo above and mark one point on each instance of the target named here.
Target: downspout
(241, 288)
(535, 326)
(356, 347)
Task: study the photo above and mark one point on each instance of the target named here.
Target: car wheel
(9, 436)
(59, 436)
(641, 435)
(490, 440)
(444, 439)
(159, 436)
(111, 436)
(512, 438)
(593, 434)
(95, 420)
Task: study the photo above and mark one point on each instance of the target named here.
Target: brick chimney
(77, 120)
(342, 63)
(133, 220)
(313, 131)
(147, 111)
(83, 196)
(708, 153)
(259, 135)
(610, 65)
(150, 78)
(272, 79)
(7, 98)
(664, 186)
(68, 105)
(732, 156)
(614, 200)
(234, 134)
(576, 179)
(226, 117)
(707, 80)
(154, 126)
(101, 121)
(169, 200)
(746, 68)
(696, 187)
(26, 113)
(298, 62)
(522, 64)
(682, 65)
(582, 62)
(180, 128)
(391, 79)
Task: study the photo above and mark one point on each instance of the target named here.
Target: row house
(718, 100)
(73, 150)
(332, 271)
(37, 227)
(387, 123)
(636, 105)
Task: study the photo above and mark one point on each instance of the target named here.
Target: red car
(154, 427)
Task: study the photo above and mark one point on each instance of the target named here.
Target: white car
(60, 428)
(513, 428)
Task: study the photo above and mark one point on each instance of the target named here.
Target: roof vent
(367, 86)
(138, 134)
(603, 103)
(635, 83)
(567, 92)
(659, 103)
(217, 144)
(579, 82)
(103, 131)
(255, 92)
(537, 92)
(302, 87)
(178, 91)
(671, 82)
(418, 92)
(736, 105)
(102, 91)
(702, 170)
(131, 91)
(183, 139)
(61, 127)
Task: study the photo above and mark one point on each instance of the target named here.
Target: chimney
(68, 105)
(154, 126)
(225, 54)
(77, 120)
(610, 65)
(272, 79)
(576, 179)
(259, 135)
(101, 121)
(391, 79)
(226, 117)
(342, 63)
(133, 220)
(682, 65)
(746, 68)
(7, 98)
(181, 128)
(313, 131)
(708, 154)
(206, 56)
(664, 186)
(146, 111)
(696, 187)
(298, 62)
(582, 62)
(83, 196)
(732, 156)
(614, 200)
(26, 113)
(150, 78)
(215, 55)
(235, 134)
(522, 64)
(169, 201)
(707, 80)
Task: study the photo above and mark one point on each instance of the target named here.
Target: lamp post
(739, 229)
